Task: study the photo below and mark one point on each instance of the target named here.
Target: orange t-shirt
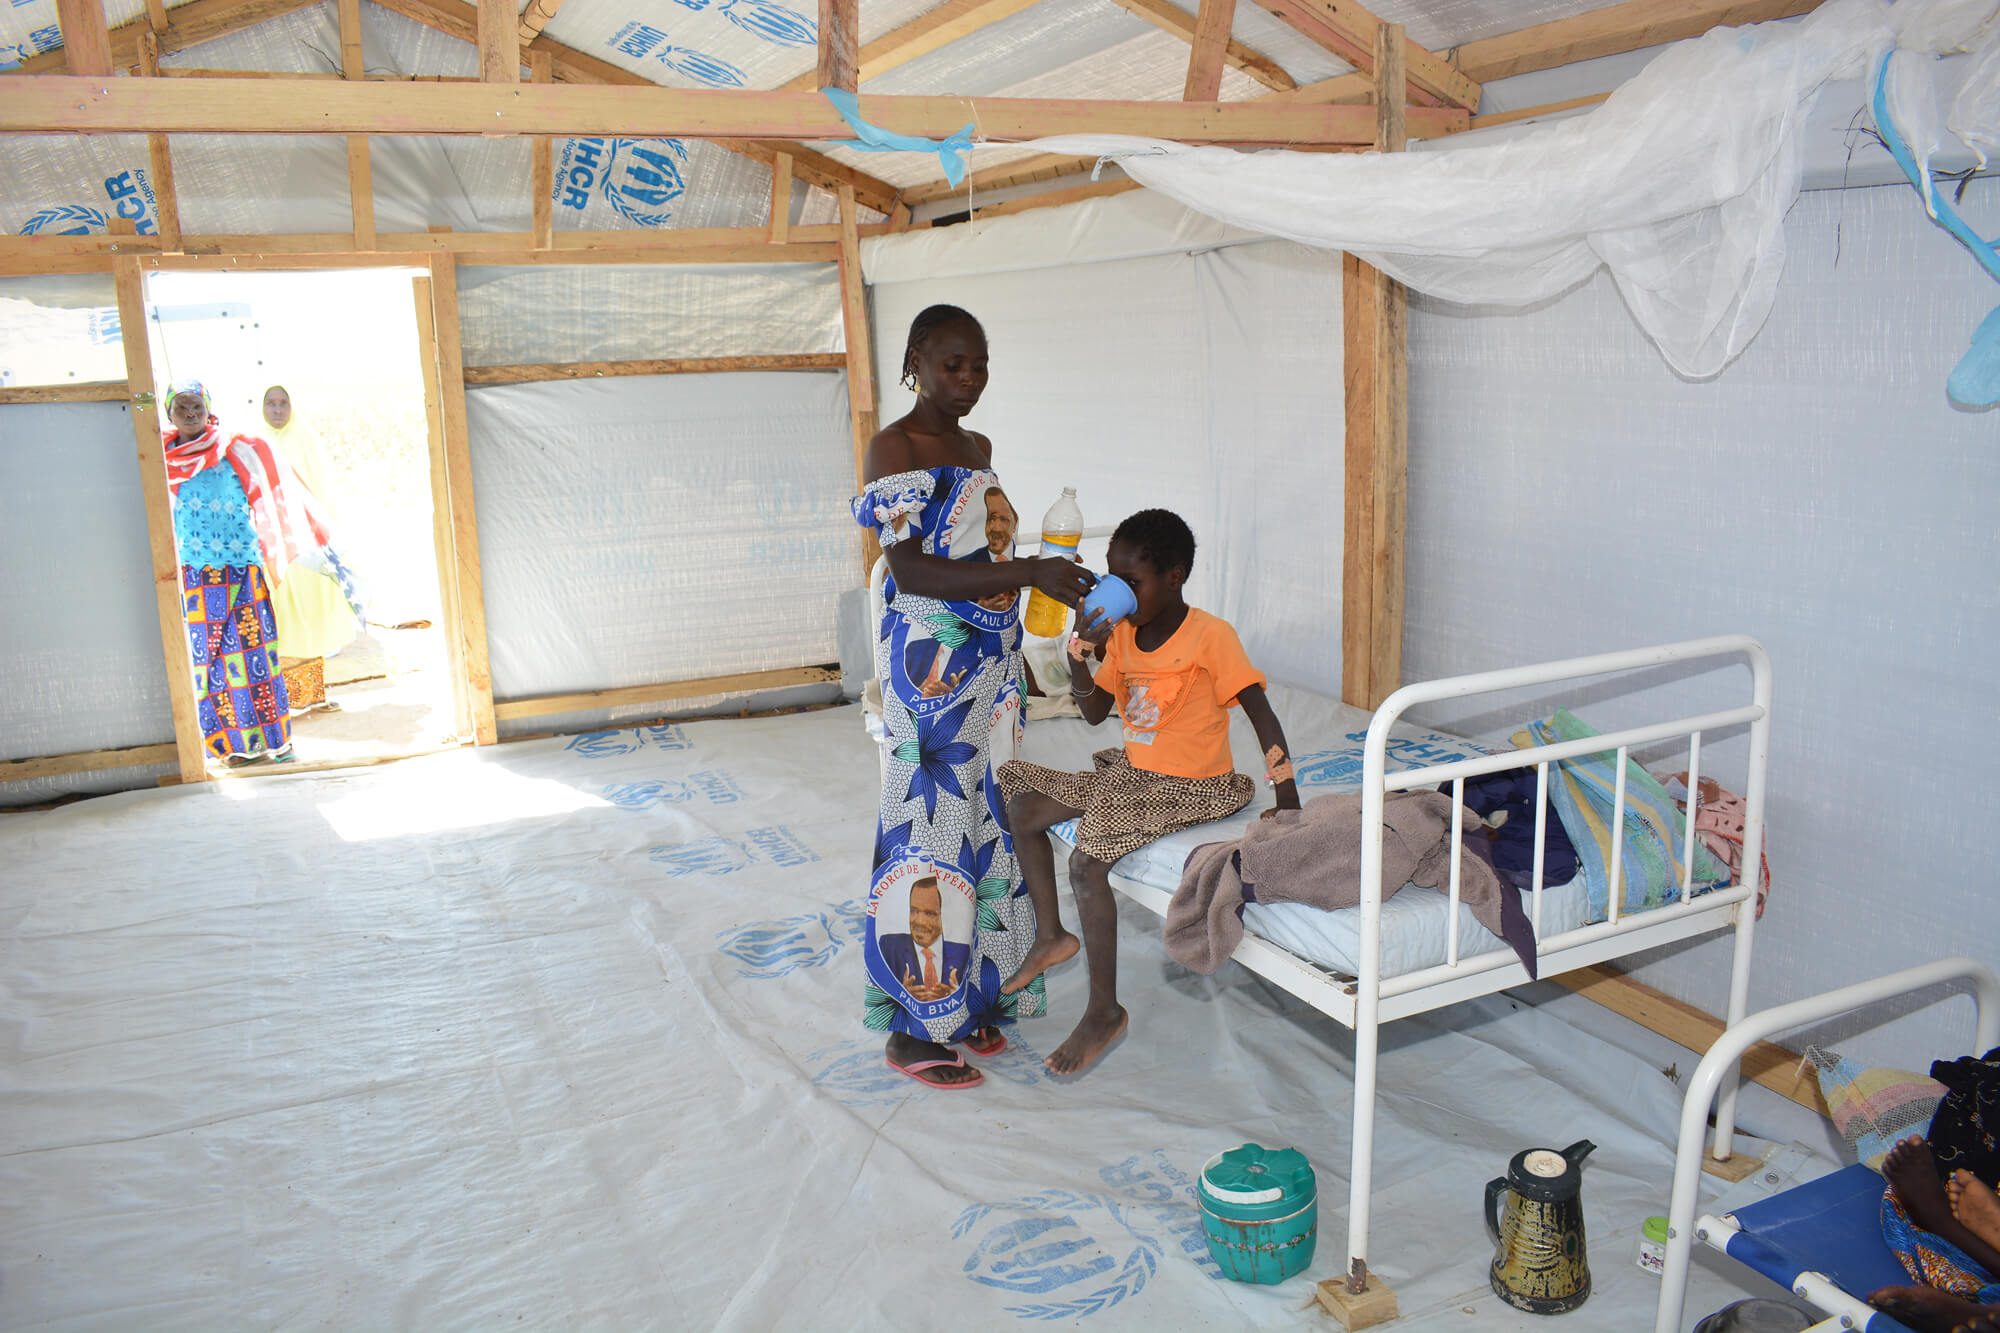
(1175, 701)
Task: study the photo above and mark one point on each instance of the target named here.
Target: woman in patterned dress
(239, 521)
(947, 918)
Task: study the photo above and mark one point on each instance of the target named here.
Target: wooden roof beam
(839, 44)
(1632, 26)
(919, 37)
(84, 36)
(454, 18)
(60, 104)
(1169, 17)
(1348, 31)
(499, 33)
(188, 25)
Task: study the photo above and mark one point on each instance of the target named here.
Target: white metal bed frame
(1844, 1310)
(1365, 1002)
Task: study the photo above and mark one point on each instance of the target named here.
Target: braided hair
(928, 321)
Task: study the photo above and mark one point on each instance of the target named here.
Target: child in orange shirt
(1174, 672)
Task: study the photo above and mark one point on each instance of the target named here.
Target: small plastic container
(1653, 1246)
(1113, 596)
(1260, 1212)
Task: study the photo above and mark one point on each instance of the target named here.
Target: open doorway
(328, 367)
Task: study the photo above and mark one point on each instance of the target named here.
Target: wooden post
(860, 360)
(499, 42)
(159, 157)
(86, 41)
(1376, 371)
(441, 530)
(839, 44)
(159, 519)
(458, 482)
(1209, 47)
(781, 199)
(360, 171)
(542, 174)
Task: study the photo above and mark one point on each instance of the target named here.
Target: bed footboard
(1718, 1068)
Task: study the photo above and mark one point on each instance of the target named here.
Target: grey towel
(1313, 856)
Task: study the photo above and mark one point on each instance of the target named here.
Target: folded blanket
(1313, 856)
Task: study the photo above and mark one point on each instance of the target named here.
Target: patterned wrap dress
(232, 631)
(952, 692)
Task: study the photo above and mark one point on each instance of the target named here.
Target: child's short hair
(1163, 538)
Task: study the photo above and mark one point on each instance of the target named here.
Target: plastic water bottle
(1062, 534)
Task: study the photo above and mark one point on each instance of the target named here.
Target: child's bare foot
(1974, 1204)
(1044, 955)
(1091, 1037)
(1927, 1309)
(1912, 1173)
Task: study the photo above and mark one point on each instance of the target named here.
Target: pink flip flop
(989, 1049)
(916, 1071)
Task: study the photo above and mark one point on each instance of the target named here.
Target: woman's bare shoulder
(984, 445)
(891, 451)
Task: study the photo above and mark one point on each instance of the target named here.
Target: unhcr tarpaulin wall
(1568, 494)
(1208, 383)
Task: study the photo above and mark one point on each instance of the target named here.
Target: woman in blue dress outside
(240, 520)
(947, 917)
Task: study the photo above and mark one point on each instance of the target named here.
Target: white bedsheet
(1325, 736)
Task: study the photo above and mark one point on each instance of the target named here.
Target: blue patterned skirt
(233, 636)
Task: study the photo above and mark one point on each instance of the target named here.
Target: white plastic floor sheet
(567, 1034)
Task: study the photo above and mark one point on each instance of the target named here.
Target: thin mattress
(1326, 737)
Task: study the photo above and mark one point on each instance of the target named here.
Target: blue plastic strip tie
(1986, 252)
(874, 139)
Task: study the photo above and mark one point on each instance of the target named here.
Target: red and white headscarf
(283, 513)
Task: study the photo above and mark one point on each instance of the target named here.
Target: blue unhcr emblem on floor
(854, 1073)
(710, 856)
(1088, 1251)
(770, 949)
(611, 744)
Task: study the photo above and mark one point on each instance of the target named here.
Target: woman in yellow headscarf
(316, 600)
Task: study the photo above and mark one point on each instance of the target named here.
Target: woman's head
(1153, 551)
(188, 409)
(944, 360)
(277, 407)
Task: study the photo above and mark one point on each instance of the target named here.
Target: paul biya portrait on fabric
(919, 941)
(982, 524)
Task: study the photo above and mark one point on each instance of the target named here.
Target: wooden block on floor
(1733, 1167)
(1376, 1304)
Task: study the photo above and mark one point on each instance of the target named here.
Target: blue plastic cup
(1113, 596)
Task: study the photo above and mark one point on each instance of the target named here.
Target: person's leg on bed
(1031, 815)
(1103, 1017)
(1912, 1173)
(1929, 1310)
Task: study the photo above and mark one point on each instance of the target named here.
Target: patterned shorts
(1124, 808)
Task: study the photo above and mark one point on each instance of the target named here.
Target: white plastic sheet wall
(1568, 493)
(1207, 383)
(80, 652)
(652, 529)
(542, 314)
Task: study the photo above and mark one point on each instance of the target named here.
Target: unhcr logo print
(1084, 1253)
(129, 195)
(767, 950)
(612, 744)
(642, 41)
(638, 178)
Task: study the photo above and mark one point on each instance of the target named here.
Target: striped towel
(1584, 791)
